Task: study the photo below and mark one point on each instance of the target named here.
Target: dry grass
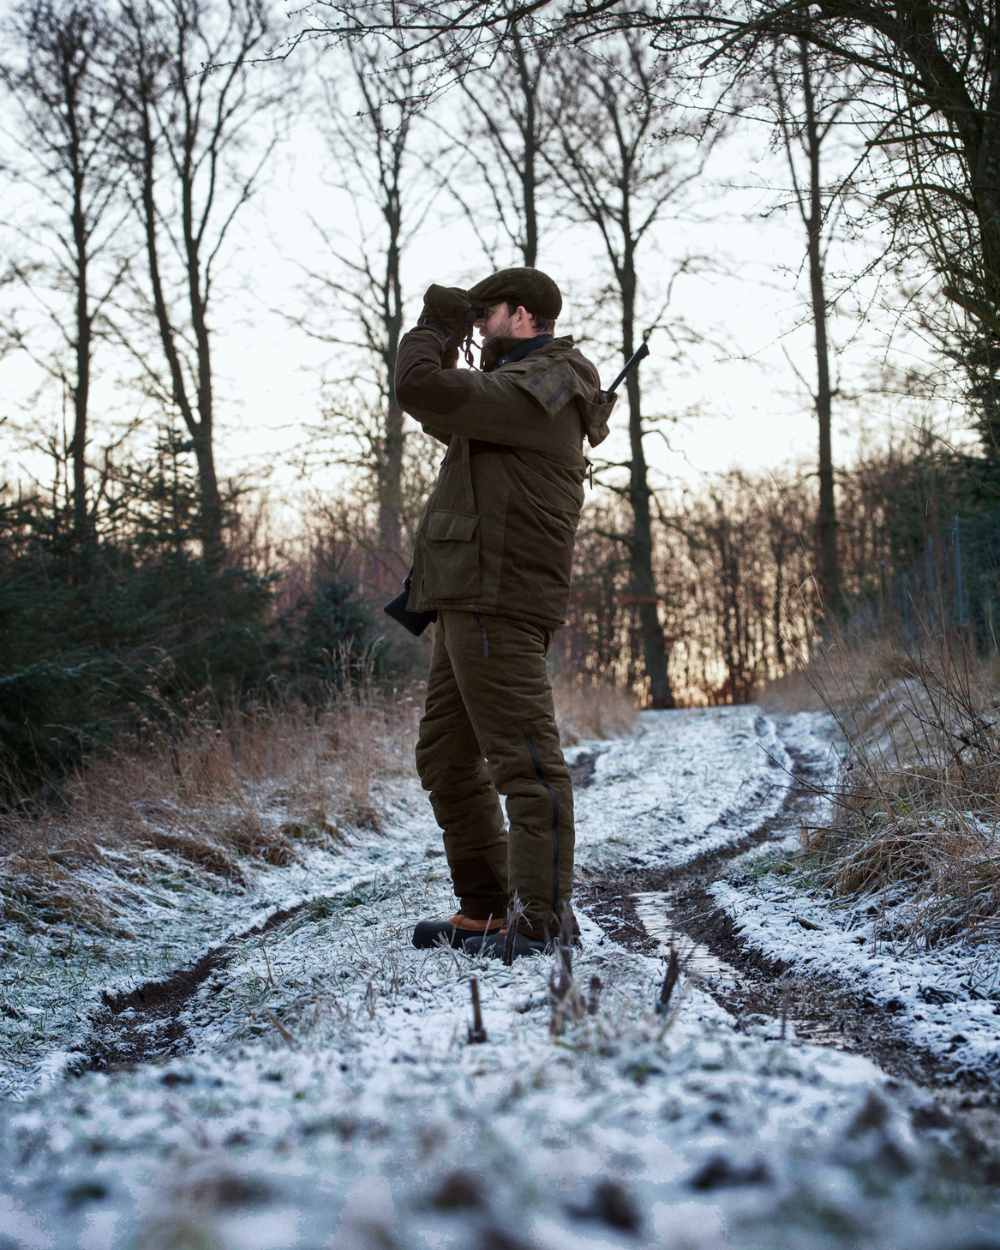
(918, 812)
(215, 793)
(585, 710)
(839, 677)
(215, 790)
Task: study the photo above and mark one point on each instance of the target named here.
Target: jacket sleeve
(496, 407)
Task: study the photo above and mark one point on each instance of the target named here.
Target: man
(493, 556)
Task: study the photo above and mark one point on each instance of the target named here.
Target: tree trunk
(826, 527)
(529, 168)
(654, 649)
(203, 430)
(390, 504)
(84, 348)
(210, 504)
(210, 516)
(986, 193)
(777, 607)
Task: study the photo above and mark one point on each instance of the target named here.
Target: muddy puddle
(653, 908)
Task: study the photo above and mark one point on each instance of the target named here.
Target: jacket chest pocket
(451, 569)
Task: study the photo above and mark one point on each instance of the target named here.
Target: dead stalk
(477, 1033)
(285, 1034)
(594, 1001)
(267, 962)
(670, 979)
(514, 914)
(567, 1003)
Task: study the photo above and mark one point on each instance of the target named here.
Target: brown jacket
(497, 534)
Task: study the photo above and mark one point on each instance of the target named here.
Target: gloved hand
(447, 308)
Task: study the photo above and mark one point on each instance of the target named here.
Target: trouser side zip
(556, 814)
(486, 640)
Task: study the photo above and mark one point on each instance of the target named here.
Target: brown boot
(526, 940)
(454, 931)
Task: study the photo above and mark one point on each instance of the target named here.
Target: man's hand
(447, 308)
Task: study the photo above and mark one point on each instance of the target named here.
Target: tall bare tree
(506, 127)
(190, 106)
(55, 74)
(808, 105)
(357, 304)
(616, 177)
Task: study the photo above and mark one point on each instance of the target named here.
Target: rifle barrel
(630, 364)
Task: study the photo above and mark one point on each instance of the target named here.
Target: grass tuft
(917, 815)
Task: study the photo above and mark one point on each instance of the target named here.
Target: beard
(494, 346)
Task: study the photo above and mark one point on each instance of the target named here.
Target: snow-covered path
(317, 1088)
(687, 784)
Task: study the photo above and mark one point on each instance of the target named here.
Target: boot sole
(429, 933)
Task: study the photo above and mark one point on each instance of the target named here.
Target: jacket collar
(524, 348)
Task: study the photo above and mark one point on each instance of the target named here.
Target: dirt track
(750, 987)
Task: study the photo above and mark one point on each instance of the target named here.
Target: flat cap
(531, 288)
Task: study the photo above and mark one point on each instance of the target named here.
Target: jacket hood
(593, 404)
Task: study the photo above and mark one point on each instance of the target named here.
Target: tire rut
(144, 1024)
(823, 1011)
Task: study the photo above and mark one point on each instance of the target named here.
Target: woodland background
(144, 586)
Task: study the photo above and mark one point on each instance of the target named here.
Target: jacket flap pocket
(451, 526)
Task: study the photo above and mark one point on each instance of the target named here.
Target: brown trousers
(489, 728)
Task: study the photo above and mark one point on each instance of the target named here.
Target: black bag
(415, 622)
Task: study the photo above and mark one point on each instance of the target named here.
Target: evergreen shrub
(131, 633)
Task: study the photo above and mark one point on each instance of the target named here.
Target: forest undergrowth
(215, 789)
(916, 815)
